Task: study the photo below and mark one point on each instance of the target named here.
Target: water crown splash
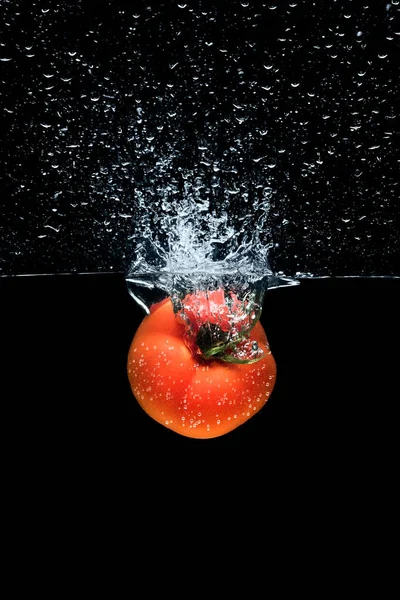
(186, 242)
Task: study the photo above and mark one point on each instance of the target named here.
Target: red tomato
(192, 396)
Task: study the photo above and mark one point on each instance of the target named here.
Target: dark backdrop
(64, 344)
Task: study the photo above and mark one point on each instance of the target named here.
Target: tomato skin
(194, 397)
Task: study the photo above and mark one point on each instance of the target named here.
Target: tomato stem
(218, 325)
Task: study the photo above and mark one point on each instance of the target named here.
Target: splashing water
(187, 241)
(192, 141)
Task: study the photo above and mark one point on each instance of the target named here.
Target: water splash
(232, 108)
(192, 234)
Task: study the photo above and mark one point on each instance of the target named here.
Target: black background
(64, 387)
(325, 446)
(65, 338)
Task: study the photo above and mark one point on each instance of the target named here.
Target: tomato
(179, 388)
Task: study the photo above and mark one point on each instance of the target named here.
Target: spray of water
(176, 125)
(192, 235)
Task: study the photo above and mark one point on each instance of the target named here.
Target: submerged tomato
(193, 396)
